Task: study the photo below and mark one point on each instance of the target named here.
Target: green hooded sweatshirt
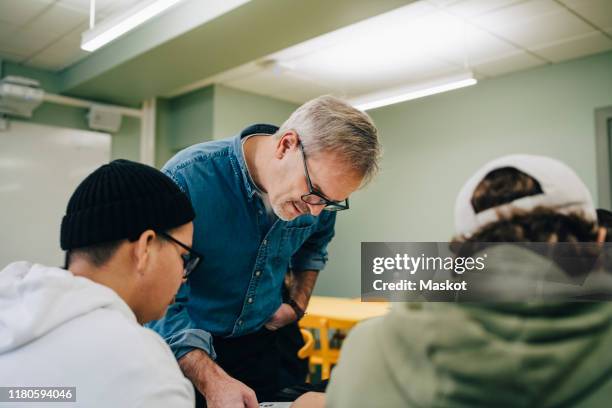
(480, 355)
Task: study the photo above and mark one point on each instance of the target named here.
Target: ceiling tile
(379, 52)
(390, 27)
(76, 33)
(63, 47)
(20, 12)
(534, 24)
(598, 12)
(466, 44)
(6, 29)
(41, 32)
(7, 48)
(578, 47)
(61, 53)
(441, 35)
(29, 41)
(511, 63)
(59, 20)
(517, 13)
(474, 8)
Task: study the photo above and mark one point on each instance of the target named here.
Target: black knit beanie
(121, 200)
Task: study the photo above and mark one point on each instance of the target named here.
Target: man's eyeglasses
(315, 197)
(191, 260)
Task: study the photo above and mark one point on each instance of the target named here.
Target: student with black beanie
(127, 234)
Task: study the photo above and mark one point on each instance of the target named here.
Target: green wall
(214, 112)
(235, 109)
(183, 121)
(125, 143)
(163, 142)
(432, 145)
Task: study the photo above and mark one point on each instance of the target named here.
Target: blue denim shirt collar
(237, 144)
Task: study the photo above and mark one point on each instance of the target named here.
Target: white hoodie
(57, 329)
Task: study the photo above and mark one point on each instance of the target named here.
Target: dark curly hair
(541, 224)
(504, 185)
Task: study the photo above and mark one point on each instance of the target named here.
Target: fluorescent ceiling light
(115, 27)
(389, 97)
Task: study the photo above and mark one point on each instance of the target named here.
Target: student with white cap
(552, 185)
(528, 354)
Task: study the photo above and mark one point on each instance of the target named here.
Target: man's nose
(315, 209)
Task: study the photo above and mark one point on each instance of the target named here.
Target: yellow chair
(325, 314)
(325, 356)
(308, 347)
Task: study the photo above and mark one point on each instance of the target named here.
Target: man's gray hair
(328, 124)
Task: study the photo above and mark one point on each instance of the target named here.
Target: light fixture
(396, 95)
(114, 27)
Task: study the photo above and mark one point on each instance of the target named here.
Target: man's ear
(285, 143)
(142, 249)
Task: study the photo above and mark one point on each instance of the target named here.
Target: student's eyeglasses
(191, 259)
(315, 197)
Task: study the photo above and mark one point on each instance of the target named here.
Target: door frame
(603, 116)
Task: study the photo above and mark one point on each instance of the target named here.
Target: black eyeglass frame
(191, 260)
(330, 205)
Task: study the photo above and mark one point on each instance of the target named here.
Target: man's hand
(227, 392)
(219, 389)
(282, 317)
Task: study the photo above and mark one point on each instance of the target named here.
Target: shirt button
(250, 300)
(257, 273)
(265, 241)
(239, 322)
(260, 212)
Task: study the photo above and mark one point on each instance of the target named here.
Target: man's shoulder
(200, 154)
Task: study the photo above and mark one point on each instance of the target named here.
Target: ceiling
(427, 40)
(46, 34)
(344, 47)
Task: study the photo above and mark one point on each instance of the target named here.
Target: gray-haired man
(260, 199)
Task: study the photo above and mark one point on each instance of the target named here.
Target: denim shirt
(237, 286)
